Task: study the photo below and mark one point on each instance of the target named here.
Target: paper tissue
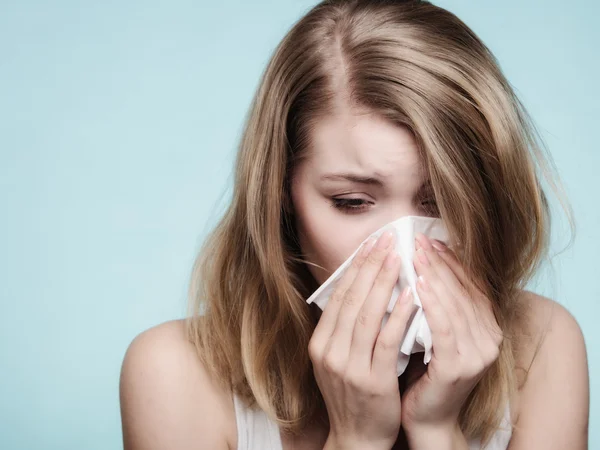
(418, 336)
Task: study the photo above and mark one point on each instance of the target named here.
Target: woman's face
(361, 173)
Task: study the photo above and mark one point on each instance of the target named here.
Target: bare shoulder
(555, 393)
(167, 398)
(548, 325)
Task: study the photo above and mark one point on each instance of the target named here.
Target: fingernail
(421, 281)
(406, 295)
(424, 241)
(438, 245)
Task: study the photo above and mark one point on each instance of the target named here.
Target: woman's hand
(354, 358)
(465, 335)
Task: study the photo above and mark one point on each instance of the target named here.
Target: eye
(356, 205)
(350, 205)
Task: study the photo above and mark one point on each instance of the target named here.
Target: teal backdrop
(119, 122)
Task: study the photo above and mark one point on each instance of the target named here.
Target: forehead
(365, 143)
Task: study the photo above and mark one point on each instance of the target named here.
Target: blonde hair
(419, 66)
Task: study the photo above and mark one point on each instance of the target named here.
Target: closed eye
(351, 205)
(357, 205)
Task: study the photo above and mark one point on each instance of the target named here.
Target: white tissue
(418, 335)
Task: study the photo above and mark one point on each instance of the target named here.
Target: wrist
(438, 437)
(335, 443)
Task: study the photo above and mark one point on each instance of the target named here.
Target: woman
(369, 111)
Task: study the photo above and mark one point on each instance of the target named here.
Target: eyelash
(349, 204)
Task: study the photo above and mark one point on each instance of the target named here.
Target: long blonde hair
(419, 66)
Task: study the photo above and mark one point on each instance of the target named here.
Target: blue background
(118, 128)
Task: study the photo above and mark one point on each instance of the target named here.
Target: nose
(400, 210)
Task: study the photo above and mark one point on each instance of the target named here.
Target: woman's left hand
(465, 336)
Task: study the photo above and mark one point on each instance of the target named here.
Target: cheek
(327, 238)
(329, 251)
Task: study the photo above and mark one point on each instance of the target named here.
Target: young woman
(369, 111)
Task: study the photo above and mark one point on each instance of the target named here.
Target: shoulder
(555, 392)
(551, 335)
(167, 398)
(550, 329)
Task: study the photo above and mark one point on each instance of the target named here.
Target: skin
(161, 368)
(368, 146)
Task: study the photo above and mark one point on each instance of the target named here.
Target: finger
(451, 259)
(326, 324)
(467, 294)
(356, 294)
(442, 335)
(387, 346)
(445, 273)
(453, 345)
(476, 305)
(370, 316)
(428, 264)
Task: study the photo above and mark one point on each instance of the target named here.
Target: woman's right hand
(354, 359)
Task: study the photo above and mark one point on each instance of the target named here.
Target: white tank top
(256, 431)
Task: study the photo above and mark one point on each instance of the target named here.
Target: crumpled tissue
(418, 335)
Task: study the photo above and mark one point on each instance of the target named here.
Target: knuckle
(356, 380)
(363, 318)
(475, 366)
(337, 295)
(357, 261)
(333, 365)
(445, 330)
(375, 257)
(349, 298)
(498, 338)
(315, 350)
(387, 344)
(492, 354)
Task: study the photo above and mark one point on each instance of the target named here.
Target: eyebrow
(353, 177)
(362, 179)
